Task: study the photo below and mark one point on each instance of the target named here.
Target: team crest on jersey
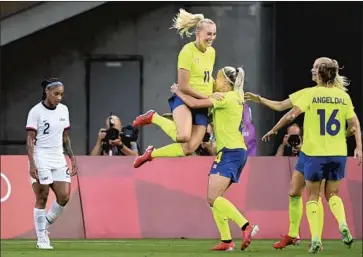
(196, 60)
(62, 119)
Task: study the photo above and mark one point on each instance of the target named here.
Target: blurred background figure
(116, 139)
(291, 143)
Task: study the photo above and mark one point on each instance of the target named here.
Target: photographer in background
(116, 140)
(291, 143)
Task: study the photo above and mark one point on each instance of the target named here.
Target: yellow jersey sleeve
(350, 109)
(185, 59)
(295, 96)
(303, 102)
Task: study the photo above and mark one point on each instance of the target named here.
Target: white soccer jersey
(49, 125)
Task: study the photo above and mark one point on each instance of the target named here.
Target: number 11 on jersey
(206, 77)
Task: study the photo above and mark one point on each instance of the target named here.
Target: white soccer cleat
(43, 244)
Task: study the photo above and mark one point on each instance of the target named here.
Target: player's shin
(337, 208)
(172, 150)
(54, 212)
(295, 215)
(39, 222)
(312, 213)
(168, 126)
(321, 218)
(222, 225)
(229, 210)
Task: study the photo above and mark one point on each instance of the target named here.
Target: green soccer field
(164, 248)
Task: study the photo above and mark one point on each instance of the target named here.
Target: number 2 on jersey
(206, 77)
(328, 126)
(46, 128)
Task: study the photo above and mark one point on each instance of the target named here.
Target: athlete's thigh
(182, 116)
(217, 186)
(40, 191)
(297, 183)
(229, 163)
(198, 133)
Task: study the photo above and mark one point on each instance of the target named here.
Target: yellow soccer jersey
(227, 118)
(326, 111)
(295, 96)
(200, 65)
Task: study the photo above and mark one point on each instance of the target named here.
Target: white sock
(39, 222)
(54, 212)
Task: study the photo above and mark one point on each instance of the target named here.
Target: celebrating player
(47, 126)
(297, 181)
(195, 67)
(231, 153)
(324, 152)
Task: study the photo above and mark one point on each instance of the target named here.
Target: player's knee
(329, 193)
(210, 200)
(295, 192)
(63, 199)
(182, 137)
(41, 200)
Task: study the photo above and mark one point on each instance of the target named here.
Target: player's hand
(174, 88)
(102, 134)
(218, 96)
(269, 135)
(74, 169)
(251, 97)
(33, 171)
(358, 155)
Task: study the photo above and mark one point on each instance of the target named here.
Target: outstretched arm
(273, 105)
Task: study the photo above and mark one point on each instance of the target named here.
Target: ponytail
(239, 82)
(184, 21)
(340, 82)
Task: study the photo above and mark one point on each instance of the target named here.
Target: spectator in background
(291, 143)
(249, 131)
(116, 139)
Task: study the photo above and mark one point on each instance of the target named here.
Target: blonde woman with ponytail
(297, 184)
(195, 68)
(231, 153)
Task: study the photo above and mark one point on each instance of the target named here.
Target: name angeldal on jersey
(329, 100)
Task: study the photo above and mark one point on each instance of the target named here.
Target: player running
(195, 68)
(231, 153)
(47, 126)
(324, 152)
(297, 181)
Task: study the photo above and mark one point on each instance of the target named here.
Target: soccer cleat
(44, 244)
(224, 246)
(346, 236)
(321, 247)
(249, 232)
(140, 160)
(285, 241)
(315, 247)
(143, 119)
